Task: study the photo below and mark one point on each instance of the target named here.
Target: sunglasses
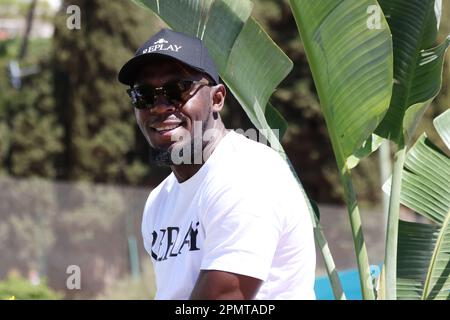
(176, 92)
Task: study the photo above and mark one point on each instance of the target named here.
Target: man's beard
(163, 157)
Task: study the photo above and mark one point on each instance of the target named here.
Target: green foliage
(424, 249)
(36, 135)
(352, 69)
(31, 135)
(418, 79)
(306, 141)
(442, 101)
(21, 289)
(418, 65)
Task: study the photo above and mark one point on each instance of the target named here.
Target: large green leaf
(351, 66)
(415, 248)
(417, 64)
(251, 83)
(249, 62)
(423, 260)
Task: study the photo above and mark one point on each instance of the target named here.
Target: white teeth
(167, 127)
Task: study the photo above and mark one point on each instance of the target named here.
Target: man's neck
(185, 171)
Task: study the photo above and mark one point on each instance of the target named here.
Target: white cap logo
(162, 45)
(161, 41)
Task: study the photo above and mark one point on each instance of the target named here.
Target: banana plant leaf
(417, 64)
(351, 66)
(423, 261)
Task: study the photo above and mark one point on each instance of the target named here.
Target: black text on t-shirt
(168, 240)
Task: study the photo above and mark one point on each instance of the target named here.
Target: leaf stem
(336, 285)
(358, 237)
(321, 241)
(390, 260)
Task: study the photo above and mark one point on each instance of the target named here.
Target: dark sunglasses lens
(143, 97)
(145, 92)
(175, 91)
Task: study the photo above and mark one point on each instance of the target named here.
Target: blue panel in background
(350, 284)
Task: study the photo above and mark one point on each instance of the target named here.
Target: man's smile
(166, 126)
(162, 132)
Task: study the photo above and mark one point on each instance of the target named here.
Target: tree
(101, 140)
(32, 137)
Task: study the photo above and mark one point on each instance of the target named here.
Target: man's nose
(162, 105)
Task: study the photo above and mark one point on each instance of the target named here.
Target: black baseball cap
(176, 45)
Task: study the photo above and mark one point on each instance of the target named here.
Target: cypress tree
(101, 138)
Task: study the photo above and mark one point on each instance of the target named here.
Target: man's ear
(218, 93)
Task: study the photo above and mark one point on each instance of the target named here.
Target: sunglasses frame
(142, 100)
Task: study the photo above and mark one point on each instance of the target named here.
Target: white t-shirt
(242, 212)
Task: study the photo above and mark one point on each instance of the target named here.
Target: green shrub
(21, 289)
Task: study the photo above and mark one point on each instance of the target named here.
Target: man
(230, 221)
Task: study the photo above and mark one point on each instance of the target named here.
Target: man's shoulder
(249, 166)
(253, 151)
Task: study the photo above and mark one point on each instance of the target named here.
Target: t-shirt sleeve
(242, 233)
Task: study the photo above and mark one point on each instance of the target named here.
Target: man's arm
(221, 285)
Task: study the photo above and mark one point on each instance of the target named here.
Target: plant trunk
(390, 260)
(358, 237)
(336, 285)
(321, 241)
